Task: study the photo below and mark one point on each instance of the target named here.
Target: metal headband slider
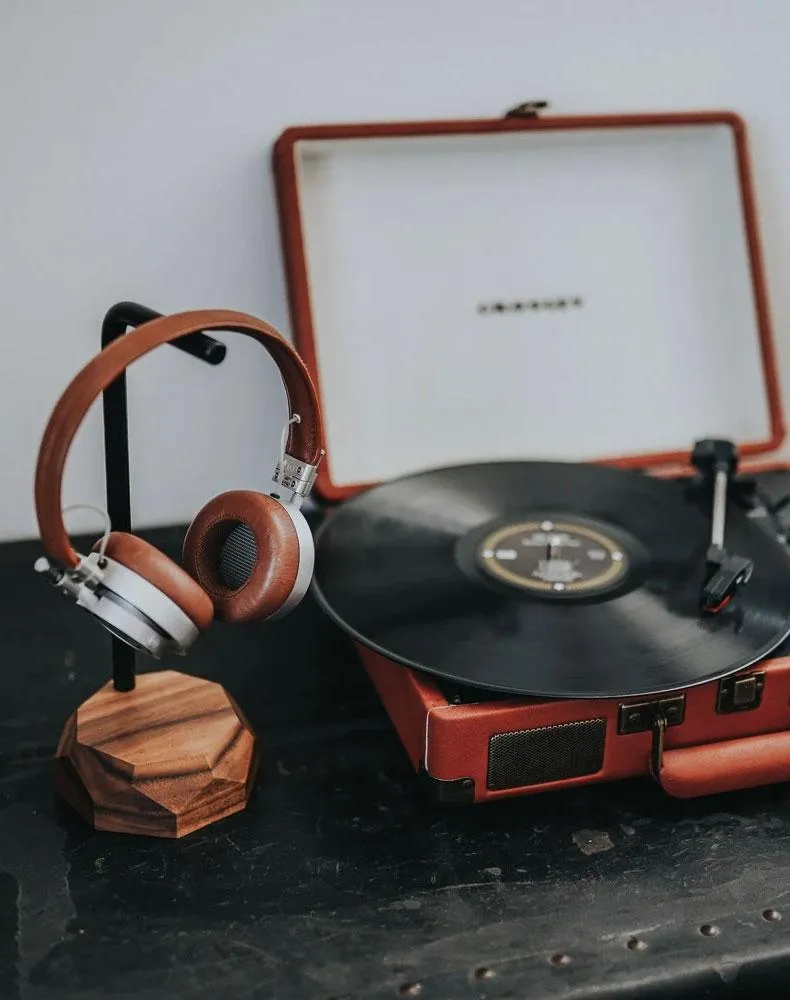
(295, 475)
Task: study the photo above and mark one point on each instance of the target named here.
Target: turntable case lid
(585, 288)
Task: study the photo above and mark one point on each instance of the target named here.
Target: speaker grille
(237, 556)
(551, 753)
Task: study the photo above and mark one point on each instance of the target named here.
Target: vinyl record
(547, 579)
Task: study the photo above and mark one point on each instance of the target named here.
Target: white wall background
(134, 164)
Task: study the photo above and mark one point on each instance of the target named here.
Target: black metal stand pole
(117, 320)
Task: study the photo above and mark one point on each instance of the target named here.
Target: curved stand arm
(116, 322)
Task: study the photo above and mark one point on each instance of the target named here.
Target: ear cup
(160, 571)
(243, 549)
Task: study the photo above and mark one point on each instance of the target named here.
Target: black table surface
(339, 880)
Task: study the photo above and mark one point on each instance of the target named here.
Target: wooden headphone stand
(160, 754)
(167, 758)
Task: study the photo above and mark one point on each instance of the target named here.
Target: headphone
(246, 556)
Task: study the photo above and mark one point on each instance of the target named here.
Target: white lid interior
(639, 230)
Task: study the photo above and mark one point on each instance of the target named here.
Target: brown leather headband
(305, 439)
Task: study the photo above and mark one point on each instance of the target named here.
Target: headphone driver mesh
(238, 555)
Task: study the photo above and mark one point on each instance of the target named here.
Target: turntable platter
(545, 579)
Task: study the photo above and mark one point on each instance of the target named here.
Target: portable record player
(544, 354)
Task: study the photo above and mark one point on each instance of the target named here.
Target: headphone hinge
(71, 581)
(296, 476)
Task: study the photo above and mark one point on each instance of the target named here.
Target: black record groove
(443, 571)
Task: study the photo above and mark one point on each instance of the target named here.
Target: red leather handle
(726, 767)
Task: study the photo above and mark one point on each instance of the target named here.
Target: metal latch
(657, 745)
(641, 717)
(740, 694)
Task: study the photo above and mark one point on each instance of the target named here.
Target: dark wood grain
(164, 760)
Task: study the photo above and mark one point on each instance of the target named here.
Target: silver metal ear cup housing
(304, 573)
(128, 606)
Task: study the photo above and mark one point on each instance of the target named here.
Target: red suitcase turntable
(543, 350)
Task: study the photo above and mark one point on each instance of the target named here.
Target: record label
(554, 556)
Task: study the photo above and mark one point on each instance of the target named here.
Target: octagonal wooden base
(167, 758)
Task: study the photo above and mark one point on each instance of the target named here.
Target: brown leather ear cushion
(274, 572)
(160, 571)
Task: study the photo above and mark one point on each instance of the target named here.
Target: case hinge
(529, 109)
